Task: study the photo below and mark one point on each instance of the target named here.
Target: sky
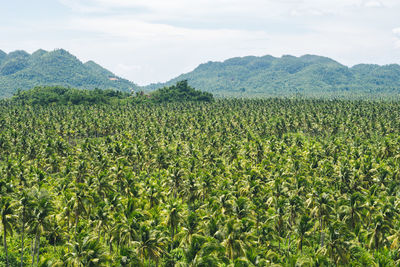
(148, 41)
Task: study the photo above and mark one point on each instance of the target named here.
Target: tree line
(51, 95)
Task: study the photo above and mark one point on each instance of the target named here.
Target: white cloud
(83, 6)
(211, 9)
(126, 67)
(149, 52)
(372, 3)
(308, 12)
(396, 31)
(126, 27)
(155, 40)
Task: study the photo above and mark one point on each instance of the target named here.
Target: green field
(273, 182)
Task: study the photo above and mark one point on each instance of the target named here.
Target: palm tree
(190, 226)
(203, 251)
(280, 223)
(322, 210)
(353, 209)
(7, 217)
(25, 206)
(102, 184)
(235, 241)
(173, 219)
(303, 227)
(80, 200)
(87, 251)
(67, 202)
(150, 244)
(42, 206)
(176, 179)
(191, 253)
(128, 224)
(127, 230)
(102, 218)
(376, 235)
(395, 239)
(338, 248)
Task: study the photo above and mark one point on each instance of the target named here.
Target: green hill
(308, 75)
(21, 70)
(2, 56)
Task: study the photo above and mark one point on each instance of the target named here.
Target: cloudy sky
(155, 40)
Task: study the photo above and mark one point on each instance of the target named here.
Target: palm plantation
(223, 183)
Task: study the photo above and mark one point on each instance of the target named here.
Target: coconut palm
(173, 219)
(7, 216)
(377, 234)
(25, 209)
(87, 251)
(322, 210)
(337, 246)
(303, 228)
(150, 245)
(353, 209)
(42, 207)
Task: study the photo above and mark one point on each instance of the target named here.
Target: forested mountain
(21, 70)
(250, 76)
(308, 75)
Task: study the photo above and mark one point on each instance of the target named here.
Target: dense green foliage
(49, 95)
(292, 76)
(22, 71)
(180, 92)
(66, 96)
(226, 183)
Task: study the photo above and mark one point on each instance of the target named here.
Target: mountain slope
(98, 69)
(2, 56)
(307, 75)
(20, 70)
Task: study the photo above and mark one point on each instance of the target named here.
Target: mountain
(308, 75)
(21, 70)
(2, 56)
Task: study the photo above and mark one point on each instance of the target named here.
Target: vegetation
(236, 77)
(22, 71)
(49, 95)
(180, 92)
(67, 96)
(288, 182)
(292, 76)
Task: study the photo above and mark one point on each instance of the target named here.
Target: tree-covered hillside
(20, 70)
(287, 76)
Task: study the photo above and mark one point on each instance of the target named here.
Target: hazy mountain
(21, 70)
(308, 75)
(2, 56)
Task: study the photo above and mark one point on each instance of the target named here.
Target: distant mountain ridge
(308, 75)
(21, 70)
(250, 76)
